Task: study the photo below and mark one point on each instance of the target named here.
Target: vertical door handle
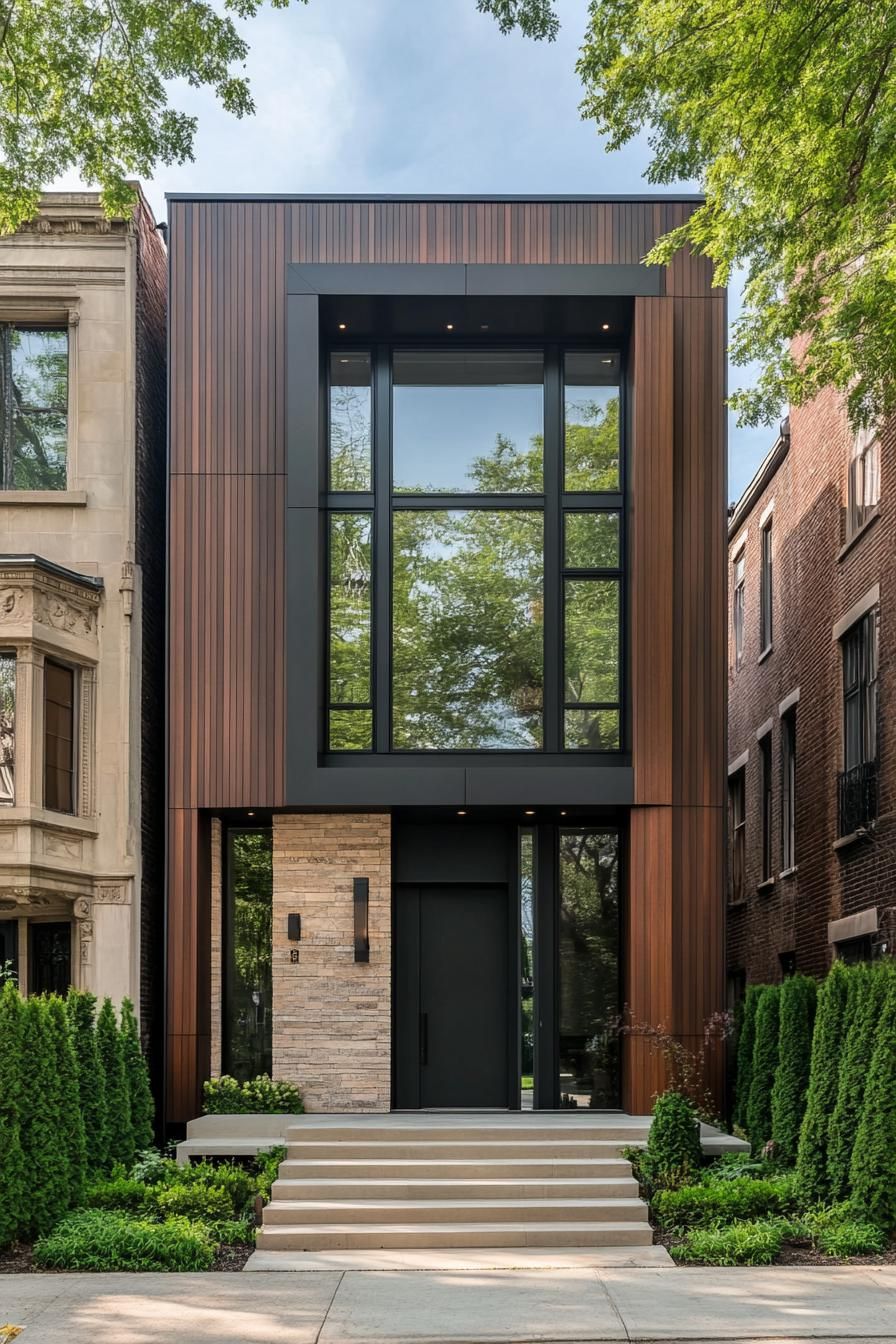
(424, 1038)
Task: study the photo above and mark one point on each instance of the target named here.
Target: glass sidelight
(570, 974)
(248, 897)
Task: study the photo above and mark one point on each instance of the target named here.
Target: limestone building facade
(82, 460)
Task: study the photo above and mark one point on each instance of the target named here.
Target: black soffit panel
(392, 280)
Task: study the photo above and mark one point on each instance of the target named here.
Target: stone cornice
(43, 602)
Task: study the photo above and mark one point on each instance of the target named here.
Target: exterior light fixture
(461, 811)
(361, 897)
(342, 326)
(605, 326)
(294, 928)
(530, 812)
(250, 814)
(449, 326)
(484, 327)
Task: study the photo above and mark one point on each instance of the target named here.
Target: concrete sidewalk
(426, 1306)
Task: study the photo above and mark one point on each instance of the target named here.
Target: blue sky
(415, 96)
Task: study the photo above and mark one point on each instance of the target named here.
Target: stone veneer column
(333, 1015)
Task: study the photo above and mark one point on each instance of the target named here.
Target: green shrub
(873, 1167)
(735, 1166)
(80, 1008)
(137, 1078)
(13, 1182)
(796, 1019)
(746, 1041)
(118, 1107)
(259, 1096)
(852, 1238)
(268, 1165)
(765, 1064)
(232, 1231)
(118, 1192)
(42, 1122)
(753, 1243)
(824, 1082)
(72, 1132)
(728, 1201)
(673, 1155)
(241, 1185)
(97, 1239)
(154, 1168)
(208, 1203)
(866, 996)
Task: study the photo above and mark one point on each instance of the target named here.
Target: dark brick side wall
(814, 586)
(151, 404)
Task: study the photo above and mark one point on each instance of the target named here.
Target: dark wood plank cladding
(227, 456)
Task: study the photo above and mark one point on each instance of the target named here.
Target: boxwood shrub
(704, 1205)
(99, 1239)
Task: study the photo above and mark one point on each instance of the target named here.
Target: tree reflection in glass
(248, 983)
(350, 407)
(589, 968)
(351, 718)
(33, 407)
(591, 416)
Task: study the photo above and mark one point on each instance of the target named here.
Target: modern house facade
(82, 394)
(446, 641)
(811, 773)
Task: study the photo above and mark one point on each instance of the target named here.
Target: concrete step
(505, 1168)
(619, 1131)
(384, 1211)
(490, 1187)
(382, 1236)
(440, 1149)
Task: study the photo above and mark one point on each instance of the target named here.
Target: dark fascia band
(401, 279)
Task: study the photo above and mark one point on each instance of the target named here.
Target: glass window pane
(33, 407)
(591, 667)
(351, 730)
(247, 954)
(39, 358)
(7, 727)
(591, 412)
(350, 416)
(468, 421)
(588, 937)
(467, 649)
(59, 735)
(591, 729)
(591, 541)
(350, 593)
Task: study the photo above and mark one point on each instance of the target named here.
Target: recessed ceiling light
(605, 326)
(449, 326)
(461, 812)
(530, 812)
(342, 326)
(250, 814)
(563, 814)
(606, 361)
(484, 327)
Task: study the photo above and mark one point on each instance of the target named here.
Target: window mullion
(382, 548)
(553, 543)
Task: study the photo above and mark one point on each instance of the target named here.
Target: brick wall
(816, 582)
(332, 1015)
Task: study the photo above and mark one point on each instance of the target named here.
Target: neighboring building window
(737, 821)
(49, 958)
(788, 789)
(7, 727)
(59, 737)
(765, 588)
(9, 947)
(765, 784)
(437, 572)
(247, 975)
(788, 964)
(33, 407)
(858, 782)
(863, 487)
(739, 606)
(853, 950)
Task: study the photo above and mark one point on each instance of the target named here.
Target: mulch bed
(19, 1259)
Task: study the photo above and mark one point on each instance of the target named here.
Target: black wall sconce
(294, 928)
(361, 888)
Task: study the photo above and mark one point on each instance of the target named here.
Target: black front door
(451, 996)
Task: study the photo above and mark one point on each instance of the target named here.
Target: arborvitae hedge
(746, 1042)
(873, 1169)
(13, 1185)
(72, 1122)
(796, 1019)
(80, 1006)
(673, 1142)
(137, 1077)
(824, 1080)
(765, 1062)
(118, 1106)
(42, 1121)
(865, 1000)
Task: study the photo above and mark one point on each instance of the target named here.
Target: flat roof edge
(498, 197)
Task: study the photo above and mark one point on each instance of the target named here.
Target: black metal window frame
(765, 806)
(737, 824)
(788, 789)
(857, 783)
(553, 503)
(738, 611)
(314, 777)
(766, 588)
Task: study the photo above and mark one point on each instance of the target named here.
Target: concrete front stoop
(456, 1181)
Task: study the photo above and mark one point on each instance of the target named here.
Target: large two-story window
(474, 528)
(33, 407)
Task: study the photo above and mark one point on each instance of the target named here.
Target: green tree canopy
(786, 114)
(85, 86)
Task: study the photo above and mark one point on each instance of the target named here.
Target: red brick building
(811, 753)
